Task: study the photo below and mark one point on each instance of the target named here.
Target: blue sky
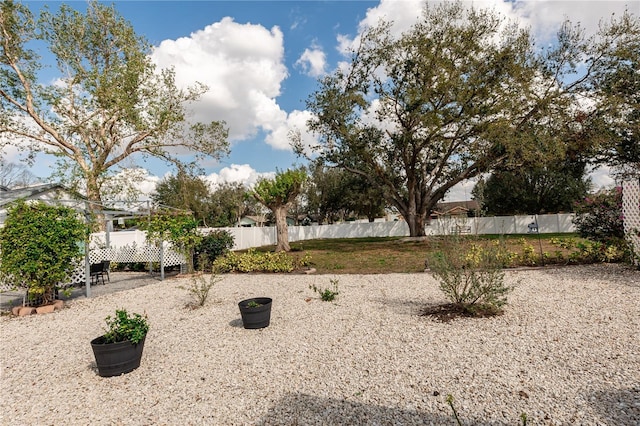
(262, 59)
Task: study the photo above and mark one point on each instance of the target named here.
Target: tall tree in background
(325, 193)
(228, 203)
(184, 191)
(334, 194)
(533, 190)
(109, 103)
(618, 82)
(457, 95)
(277, 194)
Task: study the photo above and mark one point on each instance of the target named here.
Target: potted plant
(119, 349)
(255, 312)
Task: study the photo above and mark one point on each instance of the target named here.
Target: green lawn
(401, 254)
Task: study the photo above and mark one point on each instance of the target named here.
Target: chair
(98, 271)
(105, 269)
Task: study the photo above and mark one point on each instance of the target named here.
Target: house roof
(31, 192)
(454, 207)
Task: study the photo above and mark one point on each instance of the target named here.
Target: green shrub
(599, 217)
(213, 245)
(471, 275)
(39, 247)
(254, 261)
(327, 294)
(123, 327)
(200, 287)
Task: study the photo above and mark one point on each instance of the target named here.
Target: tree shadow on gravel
(445, 312)
(302, 409)
(618, 406)
(614, 273)
(401, 306)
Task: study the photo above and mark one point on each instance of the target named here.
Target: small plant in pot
(119, 349)
(255, 312)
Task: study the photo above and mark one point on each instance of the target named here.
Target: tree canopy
(186, 192)
(277, 194)
(335, 194)
(545, 189)
(460, 93)
(109, 102)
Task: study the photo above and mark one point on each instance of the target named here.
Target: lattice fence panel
(126, 254)
(631, 212)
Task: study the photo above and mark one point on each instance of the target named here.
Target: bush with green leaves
(471, 275)
(200, 287)
(40, 245)
(123, 327)
(179, 228)
(327, 294)
(255, 261)
(213, 245)
(599, 217)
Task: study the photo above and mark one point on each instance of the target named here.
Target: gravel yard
(566, 351)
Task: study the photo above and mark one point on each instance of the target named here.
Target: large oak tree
(109, 101)
(460, 93)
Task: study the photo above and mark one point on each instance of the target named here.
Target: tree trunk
(95, 203)
(282, 232)
(415, 221)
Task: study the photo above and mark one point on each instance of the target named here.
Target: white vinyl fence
(262, 236)
(130, 246)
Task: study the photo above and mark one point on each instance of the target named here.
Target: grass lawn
(402, 254)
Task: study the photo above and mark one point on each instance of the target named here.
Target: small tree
(178, 228)
(39, 247)
(277, 194)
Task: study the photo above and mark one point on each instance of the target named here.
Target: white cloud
(461, 191)
(313, 62)
(243, 66)
(296, 121)
(237, 173)
(601, 178)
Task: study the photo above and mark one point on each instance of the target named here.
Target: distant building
(251, 221)
(455, 209)
(50, 193)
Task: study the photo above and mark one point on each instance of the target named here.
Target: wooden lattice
(631, 213)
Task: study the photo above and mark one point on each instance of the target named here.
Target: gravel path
(567, 351)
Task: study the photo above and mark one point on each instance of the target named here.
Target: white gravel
(567, 351)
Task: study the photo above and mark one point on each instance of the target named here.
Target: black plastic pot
(114, 359)
(256, 316)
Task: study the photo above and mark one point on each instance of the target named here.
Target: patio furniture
(99, 270)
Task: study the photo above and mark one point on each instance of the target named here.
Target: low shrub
(599, 217)
(254, 261)
(200, 287)
(471, 275)
(327, 294)
(213, 245)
